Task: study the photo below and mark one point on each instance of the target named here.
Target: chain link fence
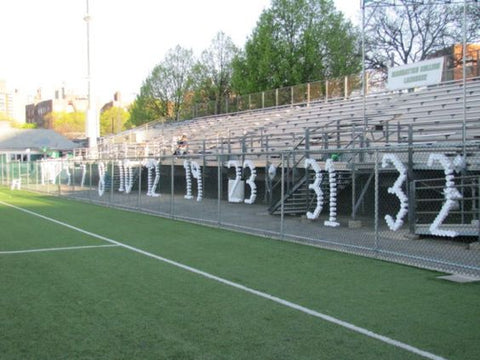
(418, 206)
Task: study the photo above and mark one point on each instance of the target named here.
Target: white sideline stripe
(275, 299)
(56, 249)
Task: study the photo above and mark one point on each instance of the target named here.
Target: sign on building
(422, 73)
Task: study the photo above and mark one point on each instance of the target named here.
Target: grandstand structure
(406, 122)
(425, 116)
(398, 165)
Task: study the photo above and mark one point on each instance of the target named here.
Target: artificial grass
(163, 312)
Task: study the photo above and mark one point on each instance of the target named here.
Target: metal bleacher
(428, 115)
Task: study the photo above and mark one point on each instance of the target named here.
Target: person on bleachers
(181, 145)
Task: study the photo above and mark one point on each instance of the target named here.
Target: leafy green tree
(213, 72)
(171, 81)
(113, 120)
(144, 109)
(69, 124)
(296, 41)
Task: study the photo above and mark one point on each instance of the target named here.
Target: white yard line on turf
(261, 294)
(56, 249)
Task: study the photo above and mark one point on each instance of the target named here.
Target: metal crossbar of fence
(419, 206)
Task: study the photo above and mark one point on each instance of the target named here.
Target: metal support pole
(307, 143)
(91, 126)
(364, 78)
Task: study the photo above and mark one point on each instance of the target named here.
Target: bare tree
(405, 31)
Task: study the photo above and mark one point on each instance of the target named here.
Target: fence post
(411, 207)
(111, 182)
(478, 207)
(308, 94)
(276, 97)
(172, 187)
(204, 160)
(139, 200)
(9, 170)
(219, 190)
(410, 151)
(410, 135)
(282, 196)
(90, 182)
(338, 134)
(4, 168)
(376, 211)
(345, 94)
(20, 170)
(387, 132)
(1, 168)
(37, 173)
(326, 90)
(28, 173)
(354, 191)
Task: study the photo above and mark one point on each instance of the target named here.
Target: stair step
(300, 197)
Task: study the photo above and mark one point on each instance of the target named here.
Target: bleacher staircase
(299, 199)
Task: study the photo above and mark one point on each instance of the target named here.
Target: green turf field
(97, 284)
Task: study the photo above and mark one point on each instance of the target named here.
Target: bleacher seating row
(432, 114)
